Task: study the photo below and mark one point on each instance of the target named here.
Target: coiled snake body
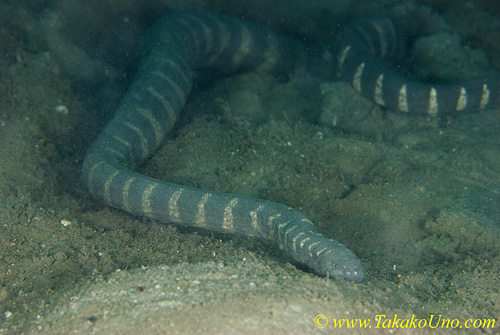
(179, 44)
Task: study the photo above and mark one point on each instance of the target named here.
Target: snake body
(360, 50)
(179, 44)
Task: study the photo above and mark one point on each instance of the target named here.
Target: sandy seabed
(417, 199)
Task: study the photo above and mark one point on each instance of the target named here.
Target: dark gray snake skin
(183, 42)
(362, 46)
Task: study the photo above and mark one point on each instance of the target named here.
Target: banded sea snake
(180, 43)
